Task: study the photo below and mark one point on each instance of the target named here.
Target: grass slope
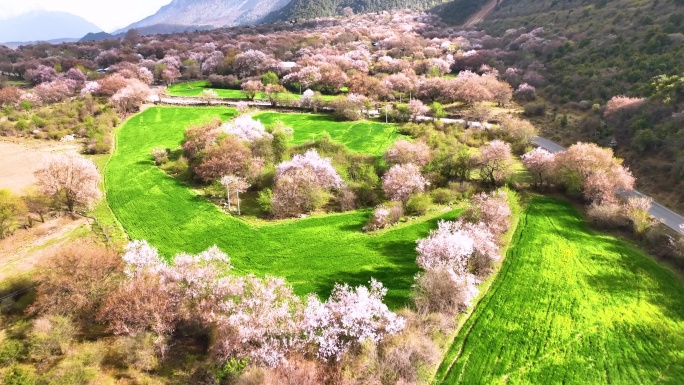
(574, 307)
(364, 136)
(193, 89)
(312, 254)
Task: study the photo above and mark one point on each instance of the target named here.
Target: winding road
(668, 217)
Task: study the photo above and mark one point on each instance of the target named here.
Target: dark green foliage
(418, 204)
(231, 370)
(269, 78)
(12, 351)
(18, 375)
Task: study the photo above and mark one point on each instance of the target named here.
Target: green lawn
(193, 89)
(363, 136)
(312, 254)
(572, 306)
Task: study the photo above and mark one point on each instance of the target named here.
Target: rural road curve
(658, 211)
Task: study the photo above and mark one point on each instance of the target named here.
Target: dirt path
(481, 14)
(20, 252)
(20, 158)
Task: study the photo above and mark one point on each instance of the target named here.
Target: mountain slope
(215, 13)
(581, 53)
(308, 9)
(44, 25)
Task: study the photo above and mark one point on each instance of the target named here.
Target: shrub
(12, 351)
(442, 196)
(418, 204)
(438, 291)
(607, 216)
(535, 109)
(51, 336)
(74, 280)
(138, 351)
(407, 357)
(19, 375)
(346, 199)
(160, 155)
(264, 200)
(385, 215)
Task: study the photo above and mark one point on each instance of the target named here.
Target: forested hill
(580, 54)
(309, 9)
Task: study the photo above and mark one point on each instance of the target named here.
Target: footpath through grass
(194, 89)
(574, 307)
(312, 254)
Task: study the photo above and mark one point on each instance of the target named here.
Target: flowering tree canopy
(70, 178)
(350, 317)
(246, 128)
(402, 181)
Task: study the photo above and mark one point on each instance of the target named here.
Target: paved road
(658, 211)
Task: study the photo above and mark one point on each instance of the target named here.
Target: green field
(312, 254)
(193, 89)
(572, 306)
(363, 136)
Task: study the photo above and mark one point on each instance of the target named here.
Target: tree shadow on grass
(627, 271)
(397, 280)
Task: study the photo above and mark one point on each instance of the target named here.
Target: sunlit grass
(572, 306)
(312, 253)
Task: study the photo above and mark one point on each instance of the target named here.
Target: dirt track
(481, 14)
(20, 252)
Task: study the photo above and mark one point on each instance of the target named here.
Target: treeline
(307, 9)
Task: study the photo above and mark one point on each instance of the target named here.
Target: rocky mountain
(203, 13)
(44, 25)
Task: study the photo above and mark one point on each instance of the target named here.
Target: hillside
(44, 25)
(580, 54)
(308, 9)
(214, 13)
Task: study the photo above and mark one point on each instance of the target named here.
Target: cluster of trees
(65, 182)
(386, 60)
(583, 169)
(459, 254)
(258, 330)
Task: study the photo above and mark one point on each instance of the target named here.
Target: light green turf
(363, 136)
(312, 254)
(193, 89)
(571, 306)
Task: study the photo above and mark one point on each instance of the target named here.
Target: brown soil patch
(20, 158)
(20, 252)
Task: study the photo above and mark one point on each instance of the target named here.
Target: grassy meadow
(193, 89)
(312, 253)
(571, 306)
(364, 136)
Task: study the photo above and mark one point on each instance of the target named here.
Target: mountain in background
(309, 9)
(44, 25)
(205, 13)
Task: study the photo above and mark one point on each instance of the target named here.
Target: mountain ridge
(214, 13)
(43, 25)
